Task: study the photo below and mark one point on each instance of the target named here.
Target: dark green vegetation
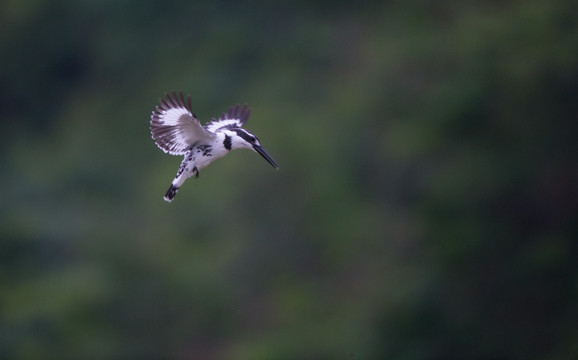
(425, 208)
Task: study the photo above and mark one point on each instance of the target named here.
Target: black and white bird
(177, 131)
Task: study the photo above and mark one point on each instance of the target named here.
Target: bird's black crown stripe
(243, 134)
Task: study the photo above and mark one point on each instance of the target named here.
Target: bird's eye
(252, 139)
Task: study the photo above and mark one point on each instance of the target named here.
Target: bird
(177, 131)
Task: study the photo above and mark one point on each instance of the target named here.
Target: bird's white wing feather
(174, 127)
(237, 116)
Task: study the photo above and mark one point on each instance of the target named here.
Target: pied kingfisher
(177, 131)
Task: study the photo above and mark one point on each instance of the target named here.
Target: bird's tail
(171, 192)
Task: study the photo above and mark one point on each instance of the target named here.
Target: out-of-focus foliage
(425, 207)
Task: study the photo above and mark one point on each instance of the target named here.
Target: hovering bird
(177, 131)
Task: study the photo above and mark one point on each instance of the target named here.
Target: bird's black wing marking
(173, 125)
(236, 116)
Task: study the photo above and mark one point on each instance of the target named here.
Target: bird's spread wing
(237, 116)
(174, 127)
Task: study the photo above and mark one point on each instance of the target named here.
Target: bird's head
(244, 139)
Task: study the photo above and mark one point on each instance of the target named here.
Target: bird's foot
(196, 172)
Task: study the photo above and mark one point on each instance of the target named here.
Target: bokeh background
(425, 207)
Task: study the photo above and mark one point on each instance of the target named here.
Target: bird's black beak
(261, 151)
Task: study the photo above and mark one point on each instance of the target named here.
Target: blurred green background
(425, 207)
